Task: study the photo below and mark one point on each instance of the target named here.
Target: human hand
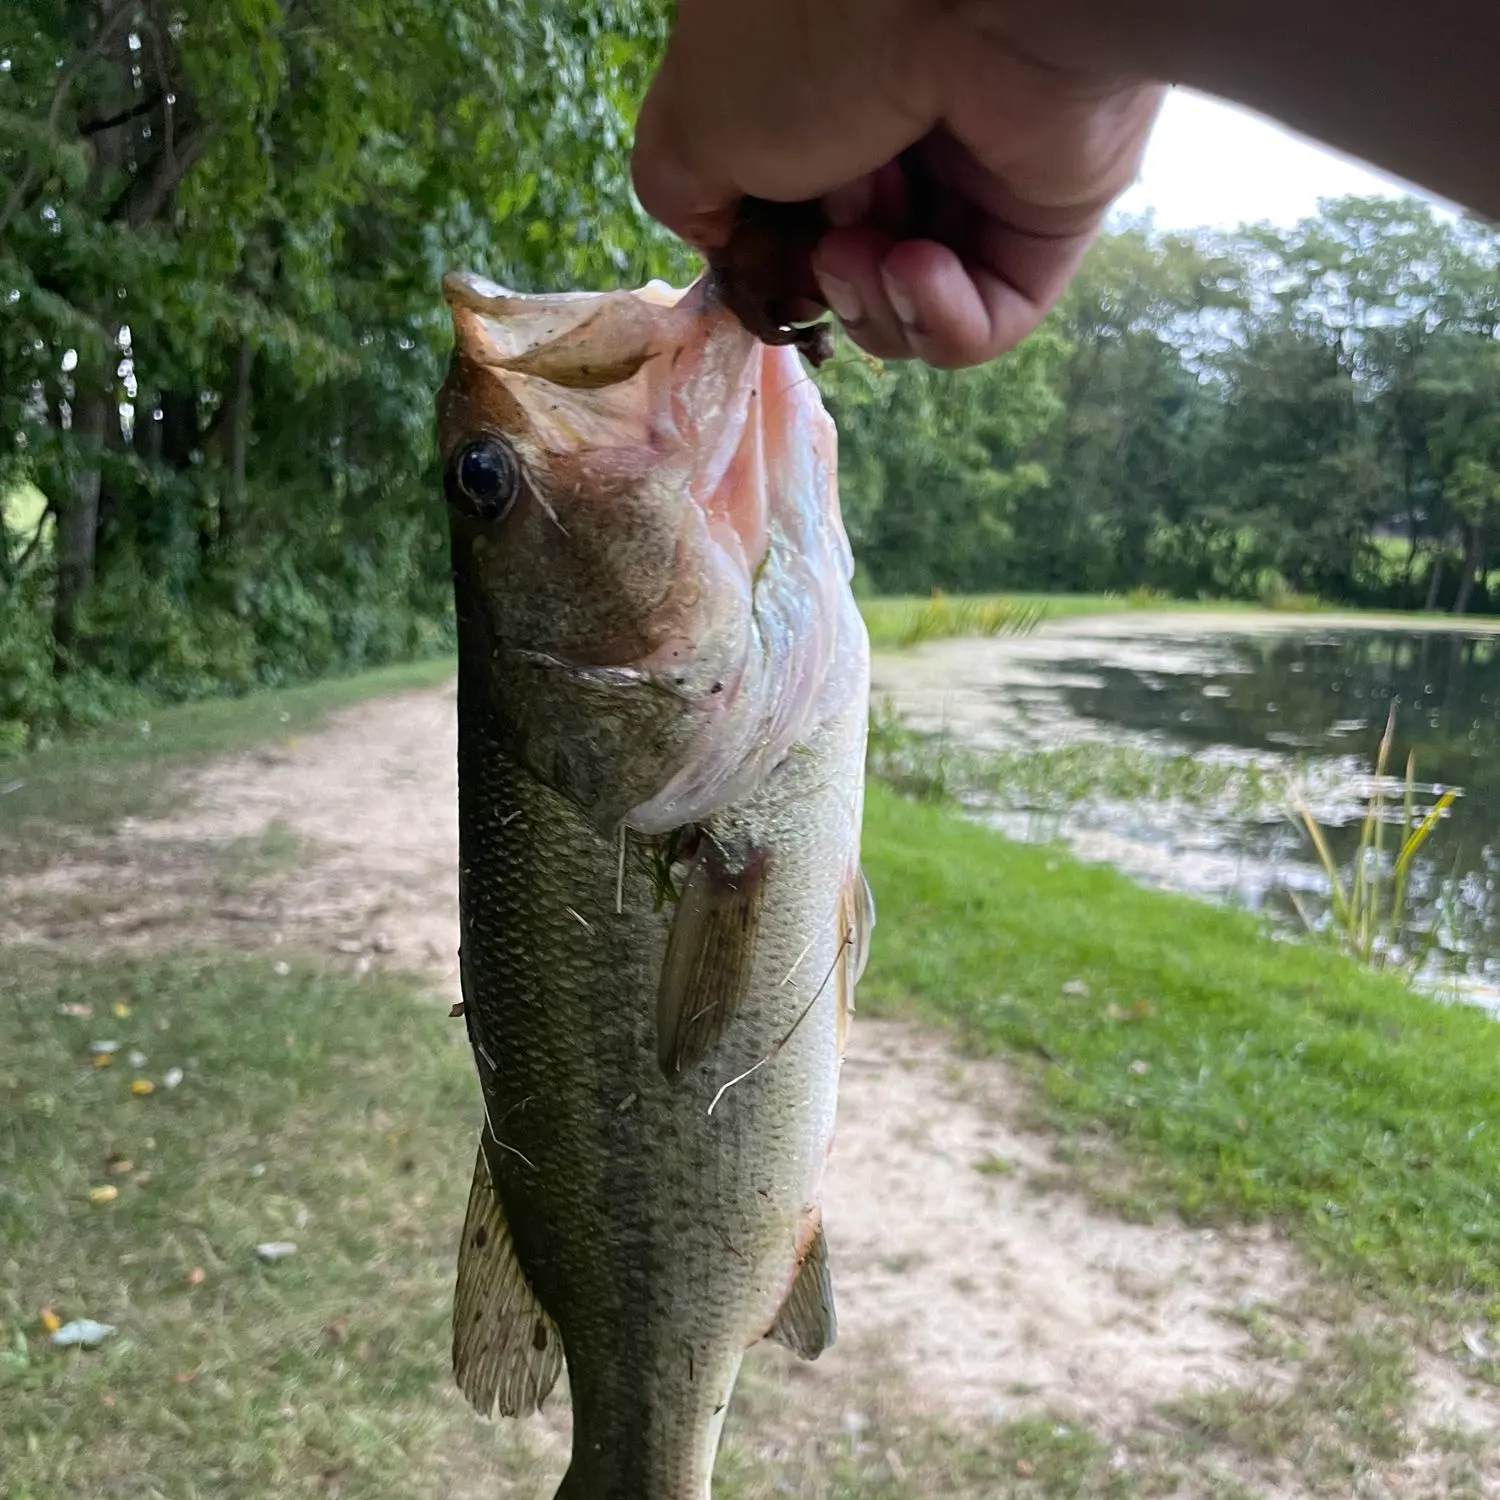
(962, 167)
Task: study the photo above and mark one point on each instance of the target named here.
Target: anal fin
(507, 1353)
(710, 954)
(806, 1323)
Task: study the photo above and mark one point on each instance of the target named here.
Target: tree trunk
(78, 513)
(1434, 581)
(232, 497)
(1473, 559)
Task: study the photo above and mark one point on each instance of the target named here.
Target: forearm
(1407, 87)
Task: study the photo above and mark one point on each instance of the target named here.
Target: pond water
(1170, 745)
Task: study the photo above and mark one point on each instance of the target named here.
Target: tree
(222, 226)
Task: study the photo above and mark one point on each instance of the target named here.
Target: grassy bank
(1244, 1077)
(896, 621)
(338, 1115)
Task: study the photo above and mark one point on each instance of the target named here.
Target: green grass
(339, 1115)
(128, 769)
(889, 617)
(1246, 1077)
(332, 1113)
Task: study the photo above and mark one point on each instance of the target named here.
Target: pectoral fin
(806, 1323)
(507, 1353)
(862, 924)
(710, 954)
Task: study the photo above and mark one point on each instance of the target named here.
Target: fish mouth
(701, 469)
(599, 383)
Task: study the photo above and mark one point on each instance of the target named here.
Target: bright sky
(1211, 164)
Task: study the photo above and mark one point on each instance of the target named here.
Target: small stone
(1076, 989)
(1140, 1068)
(102, 1195)
(120, 1009)
(172, 1077)
(350, 945)
(274, 1250)
(281, 968)
(137, 1059)
(104, 1049)
(140, 1087)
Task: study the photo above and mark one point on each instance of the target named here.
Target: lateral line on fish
(782, 1041)
(579, 918)
(620, 876)
(510, 818)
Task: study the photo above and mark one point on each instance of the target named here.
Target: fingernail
(841, 297)
(900, 299)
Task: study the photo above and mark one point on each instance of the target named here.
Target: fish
(663, 691)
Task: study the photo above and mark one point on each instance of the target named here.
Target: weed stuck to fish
(1369, 910)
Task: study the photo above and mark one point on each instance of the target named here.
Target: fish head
(651, 575)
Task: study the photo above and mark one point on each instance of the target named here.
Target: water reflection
(1307, 702)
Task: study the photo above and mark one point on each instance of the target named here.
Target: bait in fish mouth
(663, 695)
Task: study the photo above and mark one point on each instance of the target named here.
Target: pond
(1173, 746)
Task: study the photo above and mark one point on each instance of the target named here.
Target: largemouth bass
(662, 701)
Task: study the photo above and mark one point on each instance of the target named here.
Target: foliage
(1254, 415)
(222, 227)
(221, 232)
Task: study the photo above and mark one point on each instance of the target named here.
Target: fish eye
(484, 479)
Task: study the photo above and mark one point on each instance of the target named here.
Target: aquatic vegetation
(937, 768)
(1368, 911)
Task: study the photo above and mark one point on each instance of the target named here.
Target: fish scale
(655, 1210)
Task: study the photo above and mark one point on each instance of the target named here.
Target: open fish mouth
(676, 523)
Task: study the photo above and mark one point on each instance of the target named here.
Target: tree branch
(97, 127)
(36, 538)
(54, 113)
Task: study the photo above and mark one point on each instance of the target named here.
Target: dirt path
(991, 1295)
